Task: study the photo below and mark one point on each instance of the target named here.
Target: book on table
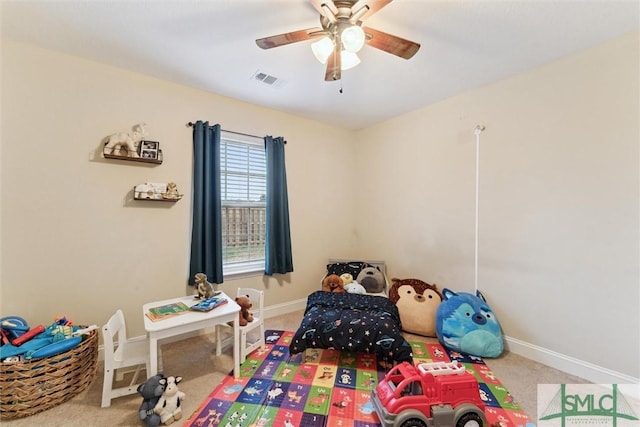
(209, 304)
(167, 310)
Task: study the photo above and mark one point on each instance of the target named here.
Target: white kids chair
(257, 309)
(121, 352)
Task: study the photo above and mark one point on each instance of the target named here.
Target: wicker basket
(36, 385)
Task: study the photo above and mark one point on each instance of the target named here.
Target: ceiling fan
(342, 35)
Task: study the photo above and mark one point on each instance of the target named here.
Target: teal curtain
(278, 257)
(206, 229)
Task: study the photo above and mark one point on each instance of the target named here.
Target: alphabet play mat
(328, 388)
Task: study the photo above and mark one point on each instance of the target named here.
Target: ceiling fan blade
(372, 5)
(391, 44)
(334, 66)
(288, 38)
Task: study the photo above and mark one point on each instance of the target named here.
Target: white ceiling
(210, 45)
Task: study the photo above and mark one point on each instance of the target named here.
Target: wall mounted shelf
(154, 193)
(125, 156)
(156, 200)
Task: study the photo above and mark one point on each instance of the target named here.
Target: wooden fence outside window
(243, 233)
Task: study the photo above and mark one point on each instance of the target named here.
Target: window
(243, 185)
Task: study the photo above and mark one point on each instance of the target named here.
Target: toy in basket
(46, 368)
(20, 342)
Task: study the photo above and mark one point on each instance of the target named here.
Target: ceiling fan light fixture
(352, 38)
(322, 49)
(348, 60)
(341, 35)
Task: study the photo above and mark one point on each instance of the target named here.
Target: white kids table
(190, 321)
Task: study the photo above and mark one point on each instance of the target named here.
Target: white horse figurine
(116, 142)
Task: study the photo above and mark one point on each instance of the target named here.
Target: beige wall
(558, 208)
(558, 211)
(73, 241)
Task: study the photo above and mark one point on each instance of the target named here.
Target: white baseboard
(588, 371)
(284, 308)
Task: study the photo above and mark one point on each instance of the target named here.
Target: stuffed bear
(151, 390)
(465, 323)
(372, 279)
(417, 304)
(245, 315)
(169, 405)
(333, 283)
(204, 288)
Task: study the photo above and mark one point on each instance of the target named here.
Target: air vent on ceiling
(267, 79)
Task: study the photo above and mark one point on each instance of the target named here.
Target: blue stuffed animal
(465, 323)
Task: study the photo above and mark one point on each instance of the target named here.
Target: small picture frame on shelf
(149, 149)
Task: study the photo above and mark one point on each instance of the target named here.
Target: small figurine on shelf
(115, 143)
(172, 192)
(150, 190)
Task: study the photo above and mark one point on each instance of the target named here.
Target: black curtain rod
(191, 124)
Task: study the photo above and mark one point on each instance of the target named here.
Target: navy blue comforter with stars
(352, 322)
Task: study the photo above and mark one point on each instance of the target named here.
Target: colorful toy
(19, 340)
(28, 335)
(465, 323)
(245, 315)
(63, 321)
(169, 405)
(13, 326)
(151, 391)
(333, 283)
(61, 332)
(54, 348)
(430, 394)
(417, 302)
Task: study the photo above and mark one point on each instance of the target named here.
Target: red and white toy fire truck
(429, 395)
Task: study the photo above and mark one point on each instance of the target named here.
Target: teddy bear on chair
(245, 315)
